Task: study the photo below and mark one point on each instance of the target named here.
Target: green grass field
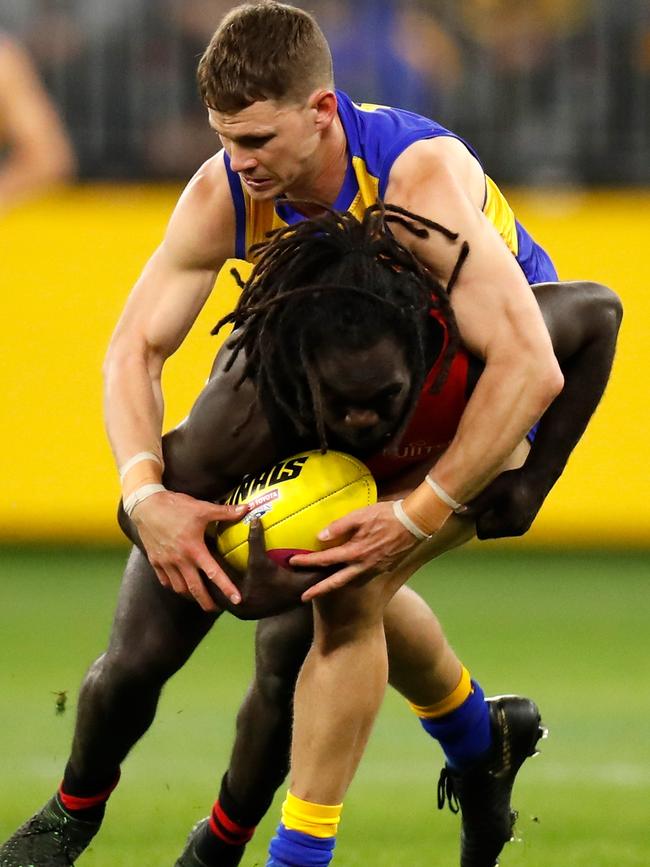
(569, 629)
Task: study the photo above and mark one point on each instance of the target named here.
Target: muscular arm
(496, 312)
(159, 312)
(39, 150)
(161, 309)
(583, 320)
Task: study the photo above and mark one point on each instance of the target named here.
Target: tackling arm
(161, 308)
(497, 316)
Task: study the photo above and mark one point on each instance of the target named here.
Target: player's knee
(271, 689)
(280, 649)
(110, 678)
(147, 661)
(354, 606)
(116, 673)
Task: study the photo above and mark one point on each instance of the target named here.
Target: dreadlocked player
(325, 296)
(278, 342)
(347, 337)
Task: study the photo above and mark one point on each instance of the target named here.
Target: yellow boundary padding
(67, 263)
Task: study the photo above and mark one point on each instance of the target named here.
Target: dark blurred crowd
(548, 91)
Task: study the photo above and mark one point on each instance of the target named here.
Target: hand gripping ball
(295, 499)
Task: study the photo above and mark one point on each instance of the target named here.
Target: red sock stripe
(227, 830)
(72, 802)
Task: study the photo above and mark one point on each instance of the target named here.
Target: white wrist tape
(405, 521)
(136, 459)
(458, 508)
(139, 495)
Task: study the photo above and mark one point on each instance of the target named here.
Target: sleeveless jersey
(434, 420)
(376, 136)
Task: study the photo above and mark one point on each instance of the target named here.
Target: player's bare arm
(498, 317)
(39, 152)
(162, 307)
(583, 320)
(499, 322)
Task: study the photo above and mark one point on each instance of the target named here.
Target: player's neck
(324, 181)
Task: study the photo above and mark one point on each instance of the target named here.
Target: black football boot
(51, 838)
(482, 791)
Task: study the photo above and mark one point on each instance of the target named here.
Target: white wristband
(405, 521)
(458, 508)
(139, 495)
(136, 459)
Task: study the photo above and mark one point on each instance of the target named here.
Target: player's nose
(241, 160)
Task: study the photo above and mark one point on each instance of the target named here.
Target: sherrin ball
(295, 499)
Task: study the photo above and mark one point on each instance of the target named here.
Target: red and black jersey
(434, 421)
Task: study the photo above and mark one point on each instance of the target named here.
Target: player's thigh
(153, 627)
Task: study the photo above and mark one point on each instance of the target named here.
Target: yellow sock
(448, 704)
(317, 820)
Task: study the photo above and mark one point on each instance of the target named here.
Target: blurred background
(100, 125)
(554, 94)
(547, 90)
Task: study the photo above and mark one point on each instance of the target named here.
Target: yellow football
(295, 499)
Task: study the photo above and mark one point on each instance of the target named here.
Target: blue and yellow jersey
(376, 136)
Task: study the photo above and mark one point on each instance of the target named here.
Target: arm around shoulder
(160, 310)
(496, 313)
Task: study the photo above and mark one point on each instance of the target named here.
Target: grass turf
(569, 629)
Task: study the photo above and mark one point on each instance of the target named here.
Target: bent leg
(154, 632)
(340, 689)
(259, 760)
(423, 666)
(260, 757)
(346, 670)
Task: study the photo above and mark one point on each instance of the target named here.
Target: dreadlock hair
(338, 283)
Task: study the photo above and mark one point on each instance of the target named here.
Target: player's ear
(325, 106)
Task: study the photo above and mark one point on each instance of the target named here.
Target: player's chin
(267, 190)
(362, 442)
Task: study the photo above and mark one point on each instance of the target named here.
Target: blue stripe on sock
(296, 849)
(464, 734)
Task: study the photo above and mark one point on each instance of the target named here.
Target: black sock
(86, 799)
(225, 836)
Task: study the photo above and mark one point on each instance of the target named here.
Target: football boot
(482, 791)
(51, 838)
(189, 858)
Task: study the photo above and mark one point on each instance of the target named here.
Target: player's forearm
(133, 404)
(503, 407)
